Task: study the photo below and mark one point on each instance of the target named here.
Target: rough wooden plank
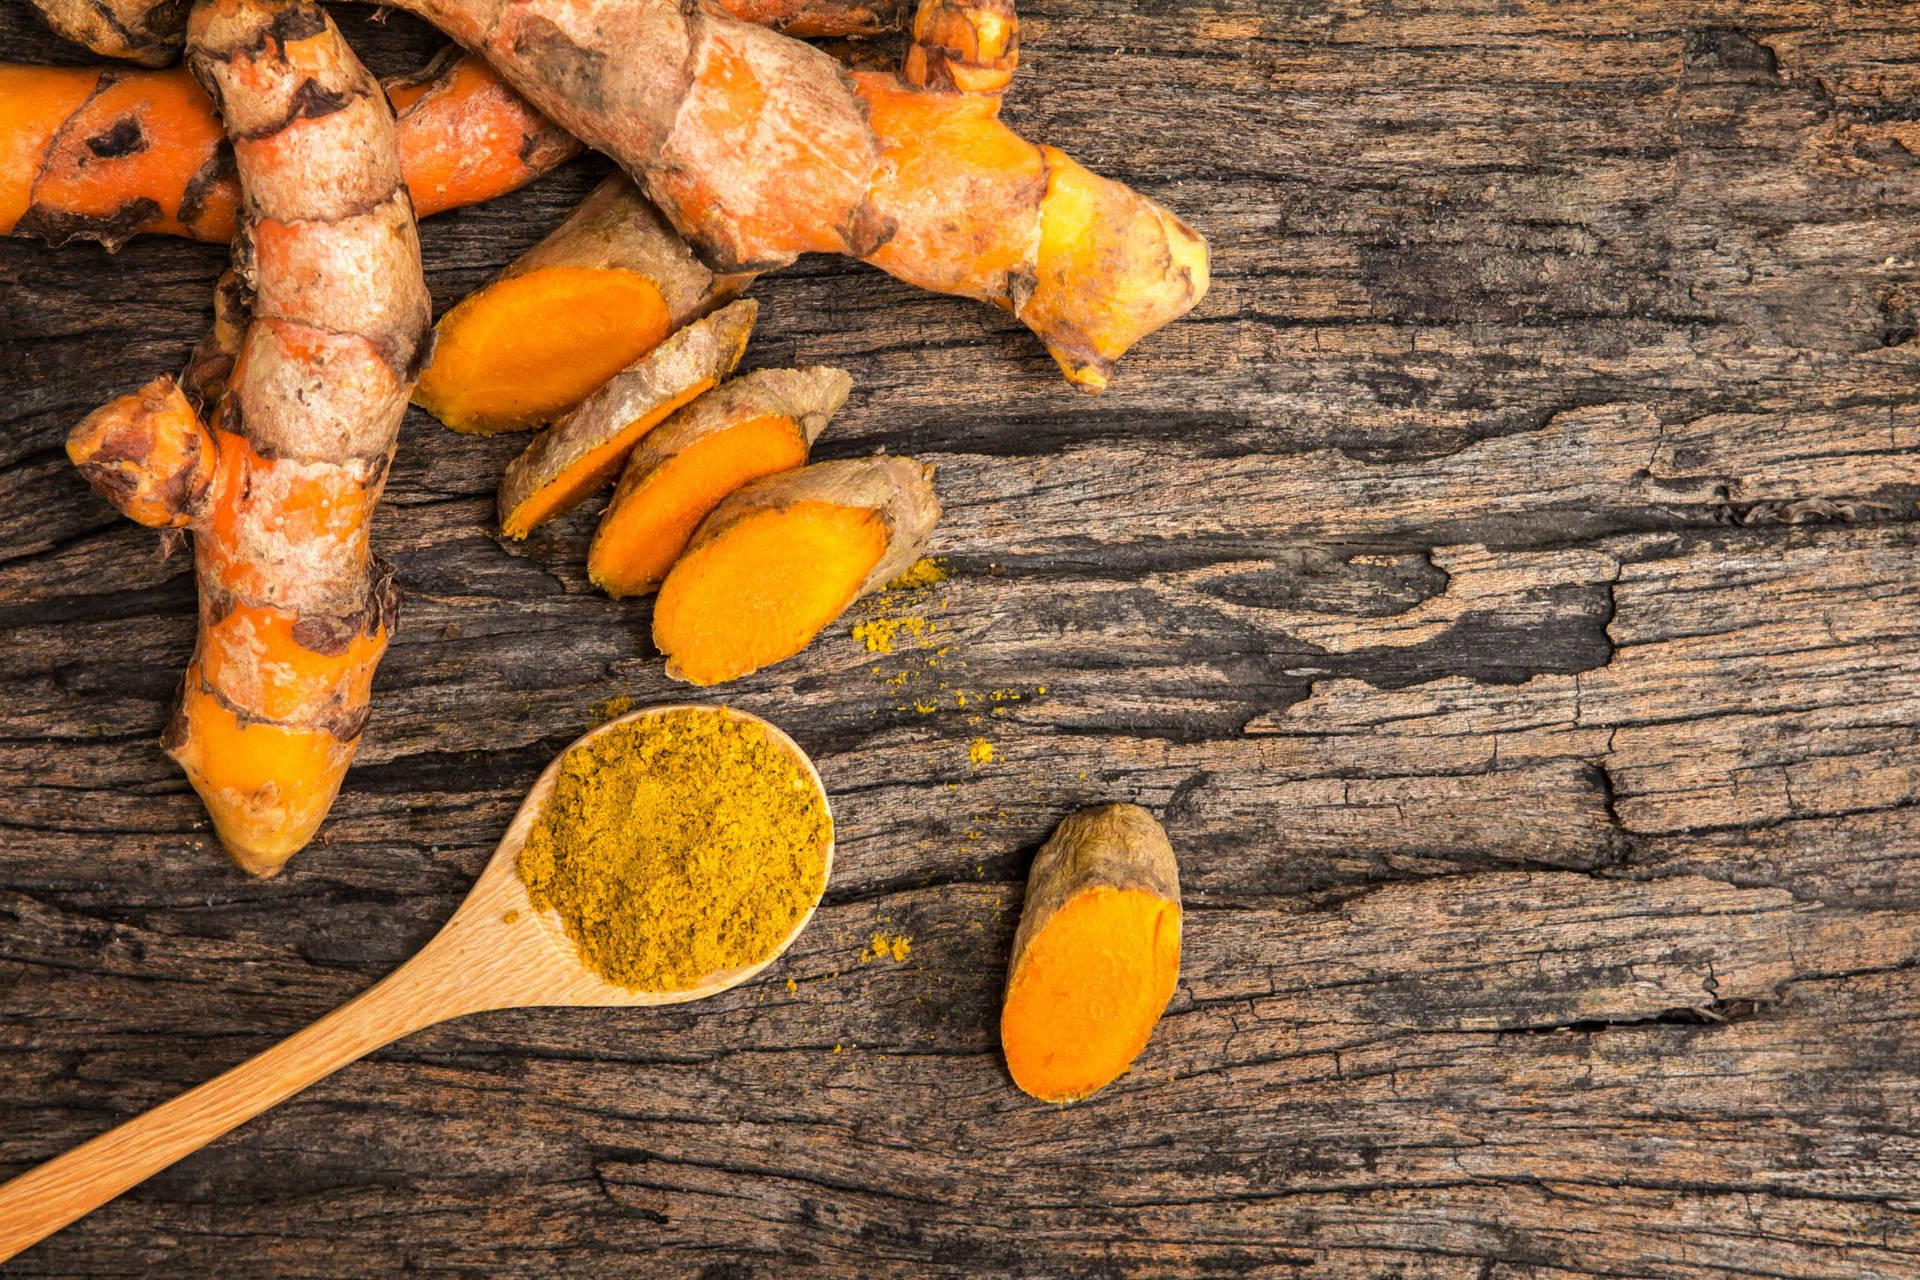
(1504, 589)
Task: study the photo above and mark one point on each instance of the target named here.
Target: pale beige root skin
(139, 31)
(306, 407)
(691, 360)
(1111, 846)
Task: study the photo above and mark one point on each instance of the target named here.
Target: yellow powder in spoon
(677, 846)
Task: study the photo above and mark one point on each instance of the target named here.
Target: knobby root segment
(598, 293)
(108, 153)
(306, 395)
(1096, 955)
(150, 32)
(784, 556)
(583, 452)
(757, 425)
(759, 148)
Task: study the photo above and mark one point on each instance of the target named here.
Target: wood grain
(1503, 590)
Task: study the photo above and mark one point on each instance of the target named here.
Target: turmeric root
(581, 454)
(781, 558)
(149, 32)
(108, 154)
(279, 487)
(754, 426)
(144, 31)
(598, 293)
(1097, 953)
(759, 148)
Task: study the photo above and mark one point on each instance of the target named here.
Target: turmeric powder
(677, 847)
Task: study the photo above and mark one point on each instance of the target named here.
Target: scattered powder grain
(678, 846)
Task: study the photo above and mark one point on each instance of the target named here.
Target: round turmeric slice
(1096, 956)
(783, 557)
(754, 426)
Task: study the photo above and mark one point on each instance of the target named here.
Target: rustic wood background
(1505, 588)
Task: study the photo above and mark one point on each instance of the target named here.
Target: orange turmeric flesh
(1088, 991)
(765, 588)
(647, 527)
(524, 351)
(591, 473)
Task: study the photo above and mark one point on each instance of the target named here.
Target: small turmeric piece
(783, 557)
(1096, 956)
(109, 153)
(753, 426)
(598, 293)
(679, 847)
(581, 454)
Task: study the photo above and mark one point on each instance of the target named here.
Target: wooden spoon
(497, 952)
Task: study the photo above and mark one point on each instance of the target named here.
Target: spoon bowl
(497, 951)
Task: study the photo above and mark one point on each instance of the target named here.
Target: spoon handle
(41, 1201)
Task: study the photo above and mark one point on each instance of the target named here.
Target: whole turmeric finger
(1097, 954)
(150, 32)
(109, 153)
(602, 290)
(278, 489)
(781, 558)
(582, 453)
(759, 148)
(757, 425)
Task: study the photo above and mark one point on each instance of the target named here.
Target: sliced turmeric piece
(754, 426)
(582, 453)
(783, 557)
(1097, 953)
(598, 293)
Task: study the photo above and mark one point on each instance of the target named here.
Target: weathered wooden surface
(1505, 590)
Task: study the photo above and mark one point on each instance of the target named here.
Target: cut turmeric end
(593, 471)
(761, 590)
(267, 787)
(1112, 267)
(1089, 990)
(526, 349)
(647, 527)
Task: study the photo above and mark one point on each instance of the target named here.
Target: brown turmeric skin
(759, 148)
(1097, 954)
(150, 32)
(108, 153)
(678, 847)
(279, 486)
